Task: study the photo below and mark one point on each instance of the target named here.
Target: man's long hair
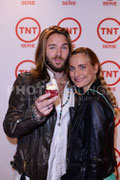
(40, 70)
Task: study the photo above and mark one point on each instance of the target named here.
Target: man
(38, 121)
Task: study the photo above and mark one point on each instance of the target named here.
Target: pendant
(59, 124)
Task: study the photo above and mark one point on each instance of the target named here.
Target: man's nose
(58, 52)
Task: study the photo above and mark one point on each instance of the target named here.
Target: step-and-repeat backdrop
(93, 24)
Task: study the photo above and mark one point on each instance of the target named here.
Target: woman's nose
(77, 73)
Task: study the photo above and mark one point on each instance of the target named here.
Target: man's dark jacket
(34, 137)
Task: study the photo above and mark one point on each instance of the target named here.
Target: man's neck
(58, 75)
(61, 80)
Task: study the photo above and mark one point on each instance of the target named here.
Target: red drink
(52, 92)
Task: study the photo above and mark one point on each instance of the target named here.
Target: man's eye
(51, 47)
(65, 47)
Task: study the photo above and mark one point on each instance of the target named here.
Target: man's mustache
(58, 57)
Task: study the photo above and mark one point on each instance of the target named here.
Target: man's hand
(44, 104)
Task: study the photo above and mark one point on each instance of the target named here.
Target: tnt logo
(117, 153)
(73, 27)
(108, 30)
(111, 72)
(28, 29)
(24, 66)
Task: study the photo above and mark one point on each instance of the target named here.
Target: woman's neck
(87, 87)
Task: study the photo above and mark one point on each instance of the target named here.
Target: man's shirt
(58, 149)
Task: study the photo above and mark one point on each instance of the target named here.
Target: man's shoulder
(28, 78)
(25, 75)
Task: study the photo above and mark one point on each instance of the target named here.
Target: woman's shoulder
(100, 100)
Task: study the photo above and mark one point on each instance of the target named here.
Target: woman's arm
(99, 126)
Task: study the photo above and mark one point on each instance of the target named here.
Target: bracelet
(35, 114)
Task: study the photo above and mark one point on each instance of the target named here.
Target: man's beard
(55, 69)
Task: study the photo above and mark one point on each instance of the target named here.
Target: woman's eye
(82, 67)
(71, 68)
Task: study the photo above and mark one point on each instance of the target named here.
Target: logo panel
(28, 29)
(117, 157)
(108, 30)
(111, 72)
(73, 27)
(24, 66)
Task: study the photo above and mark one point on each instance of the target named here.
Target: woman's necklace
(62, 105)
(77, 91)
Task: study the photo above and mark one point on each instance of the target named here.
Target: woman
(91, 136)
